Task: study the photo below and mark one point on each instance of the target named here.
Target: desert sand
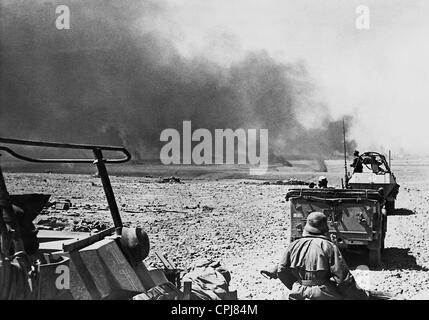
(223, 213)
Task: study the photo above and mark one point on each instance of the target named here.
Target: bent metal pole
(107, 186)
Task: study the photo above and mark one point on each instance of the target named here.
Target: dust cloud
(107, 81)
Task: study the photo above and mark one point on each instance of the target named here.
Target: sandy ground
(242, 222)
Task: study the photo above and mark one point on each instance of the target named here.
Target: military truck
(375, 174)
(355, 217)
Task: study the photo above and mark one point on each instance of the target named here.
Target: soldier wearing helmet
(357, 163)
(322, 182)
(313, 267)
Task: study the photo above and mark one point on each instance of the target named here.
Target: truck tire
(374, 251)
(383, 232)
(390, 207)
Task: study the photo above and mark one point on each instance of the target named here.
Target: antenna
(345, 155)
(390, 160)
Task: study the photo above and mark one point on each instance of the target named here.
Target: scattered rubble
(52, 223)
(62, 204)
(169, 180)
(86, 225)
(207, 209)
(289, 182)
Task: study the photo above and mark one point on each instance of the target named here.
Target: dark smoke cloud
(105, 81)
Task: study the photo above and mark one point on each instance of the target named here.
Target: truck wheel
(374, 257)
(390, 207)
(374, 251)
(383, 232)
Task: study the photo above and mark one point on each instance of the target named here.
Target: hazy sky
(379, 75)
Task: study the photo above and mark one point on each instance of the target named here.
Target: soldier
(322, 183)
(313, 267)
(357, 165)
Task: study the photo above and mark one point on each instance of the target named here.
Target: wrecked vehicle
(47, 264)
(355, 217)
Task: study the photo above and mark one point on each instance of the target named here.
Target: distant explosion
(106, 81)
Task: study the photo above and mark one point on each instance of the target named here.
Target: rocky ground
(244, 223)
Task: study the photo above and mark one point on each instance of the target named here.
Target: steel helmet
(317, 224)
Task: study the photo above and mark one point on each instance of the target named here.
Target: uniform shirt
(357, 165)
(315, 261)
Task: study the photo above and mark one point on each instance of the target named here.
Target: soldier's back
(311, 253)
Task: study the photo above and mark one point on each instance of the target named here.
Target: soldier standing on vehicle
(323, 182)
(313, 267)
(357, 164)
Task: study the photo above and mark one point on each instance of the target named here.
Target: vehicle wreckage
(46, 264)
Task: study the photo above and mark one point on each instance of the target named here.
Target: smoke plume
(107, 81)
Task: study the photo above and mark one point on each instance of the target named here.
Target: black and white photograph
(199, 150)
